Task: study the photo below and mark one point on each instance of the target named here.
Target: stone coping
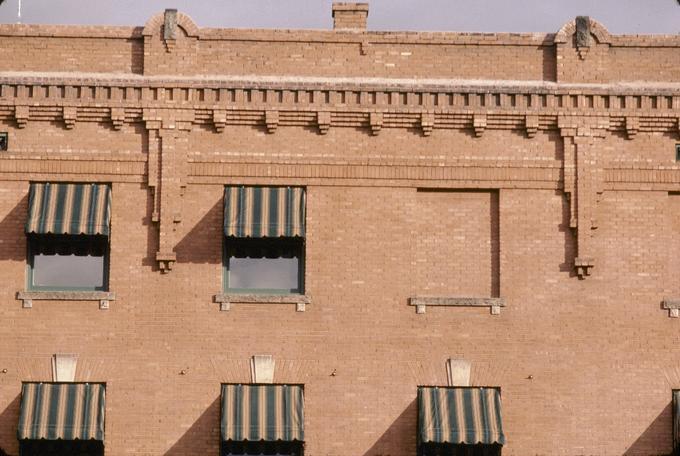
(226, 299)
(104, 297)
(421, 302)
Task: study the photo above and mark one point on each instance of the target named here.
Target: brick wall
(419, 183)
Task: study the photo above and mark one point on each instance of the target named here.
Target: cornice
(337, 102)
(274, 82)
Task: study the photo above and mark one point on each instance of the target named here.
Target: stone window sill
(673, 306)
(421, 302)
(226, 300)
(104, 297)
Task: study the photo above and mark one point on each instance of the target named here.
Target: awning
(460, 415)
(66, 411)
(61, 208)
(262, 412)
(264, 211)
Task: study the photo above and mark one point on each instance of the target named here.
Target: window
(68, 237)
(264, 265)
(68, 262)
(245, 448)
(61, 447)
(276, 420)
(264, 240)
(62, 418)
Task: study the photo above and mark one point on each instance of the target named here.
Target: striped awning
(262, 412)
(63, 208)
(264, 211)
(66, 411)
(460, 415)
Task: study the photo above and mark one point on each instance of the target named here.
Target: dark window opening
(68, 262)
(677, 152)
(61, 448)
(3, 141)
(448, 449)
(266, 265)
(232, 448)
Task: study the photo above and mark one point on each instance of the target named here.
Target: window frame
(263, 291)
(30, 255)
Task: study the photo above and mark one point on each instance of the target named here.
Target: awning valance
(262, 412)
(64, 208)
(264, 211)
(66, 411)
(460, 415)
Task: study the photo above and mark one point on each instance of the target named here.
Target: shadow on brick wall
(152, 233)
(203, 437)
(203, 243)
(657, 439)
(569, 237)
(9, 420)
(400, 437)
(12, 232)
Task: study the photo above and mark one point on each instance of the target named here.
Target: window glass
(68, 271)
(263, 273)
(271, 265)
(66, 262)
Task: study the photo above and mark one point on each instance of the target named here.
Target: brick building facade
(510, 202)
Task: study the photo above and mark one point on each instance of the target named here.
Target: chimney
(350, 16)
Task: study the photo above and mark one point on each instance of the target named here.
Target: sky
(618, 16)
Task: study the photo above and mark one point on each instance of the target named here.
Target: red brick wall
(585, 366)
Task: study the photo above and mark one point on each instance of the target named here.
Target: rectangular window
(264, 240)
(264, 265)
(68, 262)
(67, 230)
(261, 448)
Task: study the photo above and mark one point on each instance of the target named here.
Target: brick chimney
(349, 16)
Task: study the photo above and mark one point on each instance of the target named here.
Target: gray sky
(619, 16)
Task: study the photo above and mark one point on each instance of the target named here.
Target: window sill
(104, 297)
(421, 302)
(673, 306)
(225, 300)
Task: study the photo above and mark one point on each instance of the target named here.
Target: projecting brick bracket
(271, 120)
(70, 116)
(117, 118)
(421, 302)
(375, 119)
(226, 300)
(166, 261)
(673, 306)
(219, 119)
(583, 267)
(104, 297)
(323, 119)
(479, 124)
(21, 115)
(427, 123)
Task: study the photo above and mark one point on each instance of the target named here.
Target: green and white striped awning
(66, 411)
(264, 211)
(460, 415)
(267, 413)
(63, 208)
